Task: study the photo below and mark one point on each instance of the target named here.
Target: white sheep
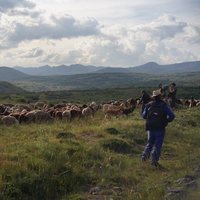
(9, 120)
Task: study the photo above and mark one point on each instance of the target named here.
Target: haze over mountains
(59, 70)
(148, 68)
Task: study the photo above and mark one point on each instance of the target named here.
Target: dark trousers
(172, 102)
(154, 145)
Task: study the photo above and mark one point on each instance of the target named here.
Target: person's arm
(141, 99)
(145, 112)
(169, 113)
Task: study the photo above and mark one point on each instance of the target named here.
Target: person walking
(172, 95)
(157, 114)
(145, 98)
(163, 90)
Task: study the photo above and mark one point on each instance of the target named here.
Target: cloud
(167, 26)
(6, 5)
(164, 40)
(33, 53)
(58, 28)
(74, 56)
(24, 12)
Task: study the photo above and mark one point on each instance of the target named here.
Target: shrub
(118, 146)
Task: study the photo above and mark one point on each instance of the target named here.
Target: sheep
(39, 105)
(58, 114)
(16, 115)
(131, 102)
(187, 103)
(127, 111)
(89, 111)
(66, 115)
(2, 108)
(35, 116)
(94, 106)
(75, 113)
(41, 116)
(120, 108)
(113, 112)
(6, 111)
(107, 107)
(9, 120)
(193, 103)
(30, 116)
(198, 104)
(58, 106)
(23, 118)
(21, 107)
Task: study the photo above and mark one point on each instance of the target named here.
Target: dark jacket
(160, 123)
(145, 98)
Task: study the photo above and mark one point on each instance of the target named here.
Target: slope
(10, 74)
(8, 88)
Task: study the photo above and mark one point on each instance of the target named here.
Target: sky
(112, 33)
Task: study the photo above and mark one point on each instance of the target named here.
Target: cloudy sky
(103, 33)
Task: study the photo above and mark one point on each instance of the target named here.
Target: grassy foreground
(94, 159)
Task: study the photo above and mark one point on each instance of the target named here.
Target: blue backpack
(156, 116)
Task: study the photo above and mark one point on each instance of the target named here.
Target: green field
(85, 96)
(95, 159)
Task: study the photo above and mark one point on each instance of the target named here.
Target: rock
(95, 190)
(175, 190)
(187, 181)
(174, 193)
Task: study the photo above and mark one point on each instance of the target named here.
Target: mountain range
(59, 70)
(90, 77)
(148, 68)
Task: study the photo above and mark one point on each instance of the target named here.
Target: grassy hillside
(8, 88)
(102, 81)
(95, 159)
(10, 74)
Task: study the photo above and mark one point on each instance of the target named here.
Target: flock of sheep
(41, 112)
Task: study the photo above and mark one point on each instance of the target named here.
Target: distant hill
(10, 74)
(81, 81)
(148, 68)
(7, 88)
(59, 70)
(154, 68)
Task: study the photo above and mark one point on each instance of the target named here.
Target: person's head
(156, 95)
(174, 84)
(143, 91)
(160, 85)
